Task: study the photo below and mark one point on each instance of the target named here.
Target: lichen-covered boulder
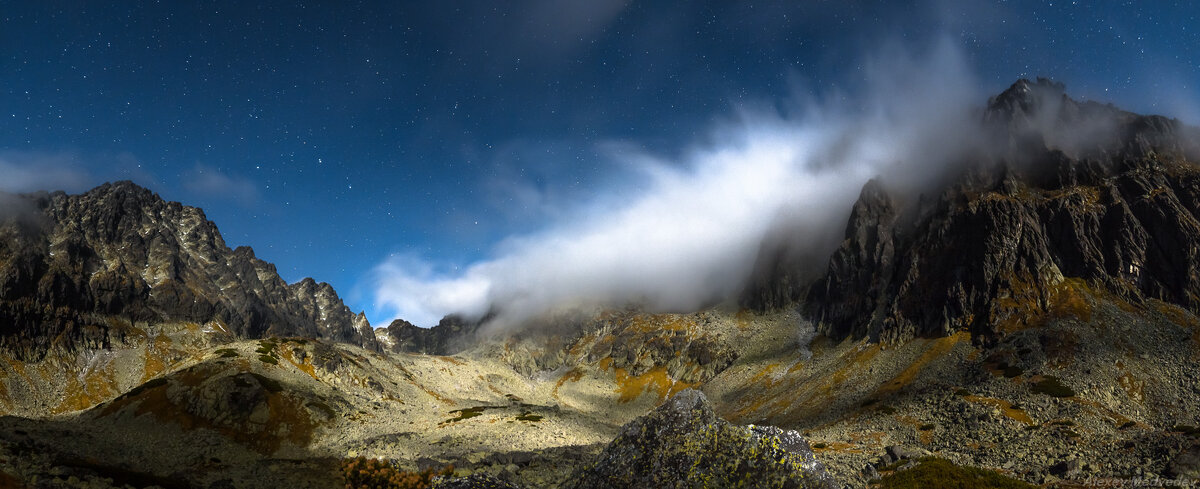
(683, 444)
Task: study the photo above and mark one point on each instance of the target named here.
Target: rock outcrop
(684, 444)
(74, 269)
(1073, 196)
(451, 335)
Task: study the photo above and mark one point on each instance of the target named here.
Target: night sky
(331, 135)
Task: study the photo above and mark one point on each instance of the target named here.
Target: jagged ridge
(1072, 190)
(73, 268)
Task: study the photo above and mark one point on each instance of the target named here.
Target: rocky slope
(78, 271)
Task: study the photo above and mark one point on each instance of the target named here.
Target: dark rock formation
(684, 444)
(451, 335)
(75, 268)
(1075, 198)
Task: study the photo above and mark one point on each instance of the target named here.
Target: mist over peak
(689, 231)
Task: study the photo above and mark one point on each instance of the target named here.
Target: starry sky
(331, 135)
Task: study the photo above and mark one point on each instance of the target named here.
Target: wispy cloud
(687, 230)
(208, 181)
(27, 171)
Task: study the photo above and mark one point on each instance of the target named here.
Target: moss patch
(936, 472)
(529, 416)
(467, 413)
(1051, 386)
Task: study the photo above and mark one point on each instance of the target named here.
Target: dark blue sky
(328, 135)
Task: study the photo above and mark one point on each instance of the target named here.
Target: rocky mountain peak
(1026, 99)
(120, 254)
(1075, 198)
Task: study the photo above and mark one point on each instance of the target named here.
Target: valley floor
(1111, 393)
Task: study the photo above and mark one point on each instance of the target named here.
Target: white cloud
(686, 232)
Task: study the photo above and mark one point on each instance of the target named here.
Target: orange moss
(861, 357)
(1005, 408)
(305, 365)
(1028, 305)
(872, 438)
(835, 446)
(95, 387)
(656, 380)
(572, 376)
(451, 360)
(1070, 300)
(435, 395)
(4, 399)
(153, 364)
(754, 405)
(936, 349)
(742, 319)
(1175, 314)
(1117, 419)
(18, 368)
(576, 349)
(798, 397)
(765, 373)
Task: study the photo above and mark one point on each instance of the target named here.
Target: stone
(684, 444)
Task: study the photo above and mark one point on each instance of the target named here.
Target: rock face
(73, 268)
(684, 444)
(1073, 196)
(451, 335)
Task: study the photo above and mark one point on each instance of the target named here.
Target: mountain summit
(77, 269)
(1071, 196)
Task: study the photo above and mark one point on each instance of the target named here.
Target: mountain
(78, 271)
(1030, 315)
(1070, 195)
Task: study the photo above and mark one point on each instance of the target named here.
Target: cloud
(28, 171)
(686, 230)
(209, 181)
